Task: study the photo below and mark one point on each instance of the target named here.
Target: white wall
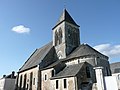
(2, 82)
(111, 83)
(7, 84)
(117, 75)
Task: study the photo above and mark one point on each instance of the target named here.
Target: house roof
(37, 57)
(84, 50)
(58, 62)
(66, 17)
(115, 67)
(69, 71)
(10, 76)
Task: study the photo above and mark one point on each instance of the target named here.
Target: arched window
(88, 72)
(20, 82)
(56, 38)
(65, 83)
(45, 77)
(25, 76)
(34, 81)
(53, 72)
(31, 80)
(57, 84)
(60, 35)
(70, 35)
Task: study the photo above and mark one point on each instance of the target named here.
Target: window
(20, 81)
(45, 77)
(34, 81)
(88, 72)
(25, 76)
(31, 78)
(65, 83)
(117, 70)
(118, 76)
(53, 73)
(56, 84)
(58, 36)
(107, 71)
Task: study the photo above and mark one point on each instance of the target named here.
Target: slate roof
(115, 67)
(58, 62)
(10, 76)
(84, 50)
(69, 71)
(66, 17)
(37, 57)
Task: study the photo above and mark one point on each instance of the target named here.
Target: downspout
(75, 80)
(38, 85)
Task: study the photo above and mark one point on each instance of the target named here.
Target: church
(64, 63)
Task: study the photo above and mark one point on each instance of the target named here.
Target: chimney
(4, 76)
(12, 75)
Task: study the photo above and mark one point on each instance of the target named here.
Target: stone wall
(31, 77)
(94, 61)
(70, 83)
(45, 78)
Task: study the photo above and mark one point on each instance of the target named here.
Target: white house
(115, 69)
(7, 82)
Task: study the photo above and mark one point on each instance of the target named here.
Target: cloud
(109, 50)
(21, 29)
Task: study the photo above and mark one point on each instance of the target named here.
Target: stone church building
(64, 63)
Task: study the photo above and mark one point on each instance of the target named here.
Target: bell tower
(65, 35)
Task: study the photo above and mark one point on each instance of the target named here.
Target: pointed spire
(66, 17)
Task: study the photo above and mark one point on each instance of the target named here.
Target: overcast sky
(27, 24)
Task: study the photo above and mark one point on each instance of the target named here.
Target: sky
(27, 24)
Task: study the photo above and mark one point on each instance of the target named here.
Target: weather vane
(65, 4)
